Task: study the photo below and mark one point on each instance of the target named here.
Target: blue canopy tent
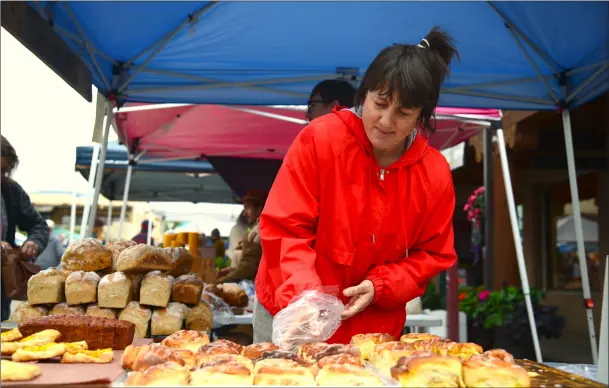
(515, 55)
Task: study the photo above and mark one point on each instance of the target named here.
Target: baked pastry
(340, 359)
(168, 320)
(98, 332)
(15, 371)
(142, 357)
(156, 289)
(414, 337)
(80, 345)
(331, 350)
(187, 289)
(169, 374)
(87, 255)
(25, 311)
(114, 291)
(480, 372)
(46, 287)
(256, 351)
(40, 352)
(428, 370)
(464, 350)
(347, 375)
(139, 316)
(186, 339)
(493, 354)
(280, 355)
(283, 373)
(75, 356)
(66, 309)
(229, 374)
(143, 258)
(116, 247)
(214, 348)
(39, 338)
(181, 261)
(308, 351)
(199, 318)
(233, 295)
(367, 342)
(81, 287)
(385, 356)
(213, 359)
(191, 360)
(96, 311)
(11, 335)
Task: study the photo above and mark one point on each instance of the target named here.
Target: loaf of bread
(199, 318)
(65, 309)
(168, 320)
(99, 333)
(116, 247)
(181, 261)
(81, 287)
(139, 316)
(96, 311)
(114, 291)
(86, 255)
(26, 311)
(187, 289)
(46, 287)
(156, 289)
(143, 258)
(233, 295)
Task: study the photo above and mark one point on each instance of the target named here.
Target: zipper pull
(373, 239)
(382, 173)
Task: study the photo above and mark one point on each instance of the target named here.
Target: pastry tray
(543, 376)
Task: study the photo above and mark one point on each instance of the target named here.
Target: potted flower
(475, 209)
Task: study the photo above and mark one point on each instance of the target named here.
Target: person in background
(17, 212)
(51, 256)
(218, 243)
(247, 268)
(98, 230)
(142, 236)
(235, 239)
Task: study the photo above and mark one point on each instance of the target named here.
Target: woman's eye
(381, 104)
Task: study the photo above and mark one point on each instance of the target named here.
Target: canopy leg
(150, 221)
(603, 360)
(87, 206)
(73, 216)
(489, 210)
(125, 200)
(579, 234)
(524, 279)
(109, 222)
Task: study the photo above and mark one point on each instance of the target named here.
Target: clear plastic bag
(312, 316)
(583, 370)
(248, 287)
(222, 314)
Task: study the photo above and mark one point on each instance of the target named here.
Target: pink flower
(479, 190)
(477, 211)
(472, 198)
(466, 208)
(483, 295)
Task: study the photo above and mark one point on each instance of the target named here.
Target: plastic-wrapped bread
(81, 287)
(168, 320)
(114, 291)
(143, 258)
(96, 311)
(139, 316)
(182, 261)
(199, 318)
(234, 295)
(156, 289)
(86, 255)
(66, 309)
(187, 289)
(46, 287)
(26, 311)
(116, 247)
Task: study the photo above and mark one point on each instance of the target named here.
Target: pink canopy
(190, 131)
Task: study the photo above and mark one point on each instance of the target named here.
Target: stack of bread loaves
(150, 287)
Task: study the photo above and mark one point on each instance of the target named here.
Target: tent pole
(125, 199)
(87, 205)
(73, 216)
(603, 360)
(452, 302)
(100, 169)
(579, 234)
(489, 216)
(109, 221)
(150, 221)
(524, 279)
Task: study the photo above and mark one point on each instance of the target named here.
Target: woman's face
(387, 125)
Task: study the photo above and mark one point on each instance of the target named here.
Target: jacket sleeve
(289, 221)
(397, 283)
(31, 222)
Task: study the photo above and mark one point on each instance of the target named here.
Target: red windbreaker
(335, 218)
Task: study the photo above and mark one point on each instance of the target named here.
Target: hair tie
(427, 45)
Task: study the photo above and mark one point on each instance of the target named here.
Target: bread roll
(233, 295)
(116, 247)
(187, 289)
(168, 320)
(367, 342)
(26, 311)
(187, 339)
(86, 255)
(181, 261)
(142, 357)
(96, 311)
(143, 258)
(479, 372)
(414, 337)
(230, 374)
(46, 287)
(169, 374)
(423, 370)
(139, 316)
(199, 318)
(276, 375)
(114, 291)
(255, 351)
(156, 289)
(81, 287)
(347, 375)
(66, 309)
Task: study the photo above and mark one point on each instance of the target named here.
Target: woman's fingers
(353, 291)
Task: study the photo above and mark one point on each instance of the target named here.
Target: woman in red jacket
(362, 201)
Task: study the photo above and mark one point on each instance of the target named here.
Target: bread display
(116, 247)
(199, 318)
(187, 289)
(14, 371)
(234, 295)
(81, 287)
(156, 289)
(166, 375)
(46, 287)
(139, 316)
(367, 342)
(169, 320)
(26, 311)
(181, 261)
(143, 258)
(187, 339)
(99, 333)
(86, 255)
(66, 309)
(96, 311)
(114, 291)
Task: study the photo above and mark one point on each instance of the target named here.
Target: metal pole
(125, 199)
(150, 221)
(109, 222)
(524, 279)
(603, 360)
(452, 302)
(87, 205)
(489, 220)
(73, 216)
(579, 234)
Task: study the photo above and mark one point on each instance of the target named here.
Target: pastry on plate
(16, 371)
(37, 339)
(79, 356)
(40, 352)
(367, 342)
(169, 374)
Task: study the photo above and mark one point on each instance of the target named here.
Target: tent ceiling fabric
(266, 53)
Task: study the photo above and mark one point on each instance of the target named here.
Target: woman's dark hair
(411, 73)
(7, 151)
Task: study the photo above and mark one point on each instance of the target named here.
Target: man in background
(218, 243)
(51, 256)
(142, 236)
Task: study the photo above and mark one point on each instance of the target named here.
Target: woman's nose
(386, 119)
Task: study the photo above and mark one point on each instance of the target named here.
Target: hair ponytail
(442, 45)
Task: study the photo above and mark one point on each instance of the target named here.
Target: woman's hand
(361, 296)
(30, 249)
(254, 235)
